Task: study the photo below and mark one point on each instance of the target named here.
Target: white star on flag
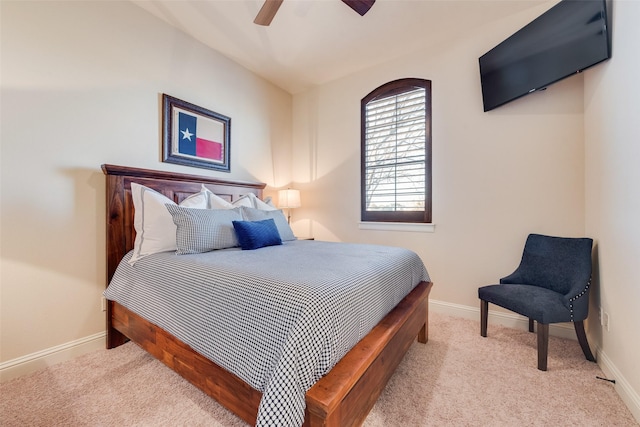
(186, 134)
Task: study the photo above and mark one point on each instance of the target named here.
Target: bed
(344, 396)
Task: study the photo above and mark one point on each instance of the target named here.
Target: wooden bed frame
(343, 397)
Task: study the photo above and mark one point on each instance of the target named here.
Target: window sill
(398, 226)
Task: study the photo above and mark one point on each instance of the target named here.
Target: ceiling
(311, 42)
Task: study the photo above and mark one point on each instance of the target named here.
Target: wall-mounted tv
(569, 37)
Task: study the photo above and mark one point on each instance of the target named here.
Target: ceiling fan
(270, 7)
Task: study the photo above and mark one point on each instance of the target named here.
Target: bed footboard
(347, 393)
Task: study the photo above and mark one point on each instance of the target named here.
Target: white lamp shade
(289, 198)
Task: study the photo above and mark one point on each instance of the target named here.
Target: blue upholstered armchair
(550, 285)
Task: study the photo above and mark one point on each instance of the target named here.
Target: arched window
(396, 152)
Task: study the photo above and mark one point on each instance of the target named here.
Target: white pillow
(215, 201)
(259, 204)
(243, 201)
(198, 200)
(249, 200)
(269, 201)
(155, 230)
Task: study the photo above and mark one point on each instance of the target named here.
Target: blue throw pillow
(257, 234)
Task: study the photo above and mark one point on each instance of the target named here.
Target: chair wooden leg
(484, 314)
(582, 339)
(543, 345)
(530, 325)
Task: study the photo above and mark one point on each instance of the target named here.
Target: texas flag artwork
(199, 137)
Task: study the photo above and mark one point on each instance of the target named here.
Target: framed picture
(194, 136)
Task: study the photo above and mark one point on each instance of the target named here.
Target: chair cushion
(537, 303)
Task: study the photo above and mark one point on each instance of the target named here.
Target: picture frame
(195, 136)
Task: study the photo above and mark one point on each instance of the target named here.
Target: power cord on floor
(606, 379)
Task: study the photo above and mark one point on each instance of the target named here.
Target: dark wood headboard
(176, 186)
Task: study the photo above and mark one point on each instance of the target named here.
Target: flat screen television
(571, 36)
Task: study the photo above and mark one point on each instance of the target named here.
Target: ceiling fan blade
(267, 12)
(360, 6)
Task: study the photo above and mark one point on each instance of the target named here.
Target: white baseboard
(510, 320)
(50, 356)
(628, 395)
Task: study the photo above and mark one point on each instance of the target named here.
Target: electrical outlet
(103, 301)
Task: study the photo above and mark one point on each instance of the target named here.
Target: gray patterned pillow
(204, 230)
(251, 214)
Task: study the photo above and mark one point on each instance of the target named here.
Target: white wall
(497, 176)
(81, 86)
(612, 176)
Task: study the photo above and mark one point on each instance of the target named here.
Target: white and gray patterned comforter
(278, 317)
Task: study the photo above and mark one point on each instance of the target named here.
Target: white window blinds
(395, 152)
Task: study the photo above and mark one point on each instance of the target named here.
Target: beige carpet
(457, 379)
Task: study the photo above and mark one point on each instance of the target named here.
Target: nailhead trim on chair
(571, 300)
